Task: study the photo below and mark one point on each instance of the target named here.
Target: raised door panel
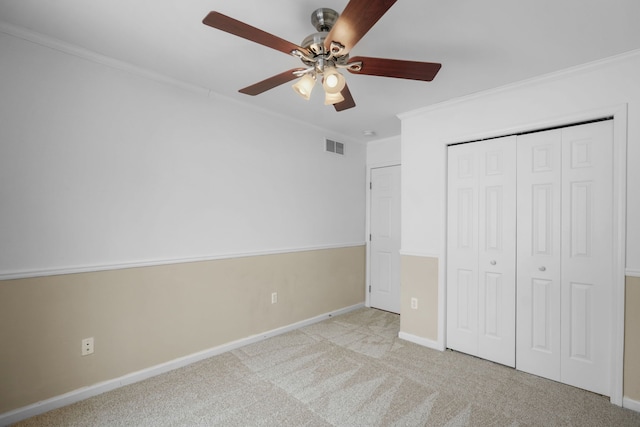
(587, 268)
(465, 295)
(541, 292)
(538, 253)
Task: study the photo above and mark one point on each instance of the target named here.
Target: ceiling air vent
(334, 146)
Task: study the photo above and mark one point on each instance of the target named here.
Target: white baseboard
(86, 392)
(425, 342)
(634, 405)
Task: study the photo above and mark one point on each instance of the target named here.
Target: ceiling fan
(325, 52)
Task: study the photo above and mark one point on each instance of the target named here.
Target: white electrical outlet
(274, 298)
(414, 303)
(87, 346)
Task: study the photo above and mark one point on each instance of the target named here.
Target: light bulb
(333, 81)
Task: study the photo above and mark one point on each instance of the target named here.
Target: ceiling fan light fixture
(324, 52)
(333, 98)
(333, 81)
(304, 86)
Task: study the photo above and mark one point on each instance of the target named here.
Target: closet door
(497, 251)
(481, 250)
(462, 248)
(539, 249)
(565, 269)
(587, 262)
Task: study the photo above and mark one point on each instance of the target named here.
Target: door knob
(543, 268)
(493, 262)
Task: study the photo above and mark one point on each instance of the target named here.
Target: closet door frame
(619, 115)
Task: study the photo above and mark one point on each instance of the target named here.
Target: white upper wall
(101, 167)
(383, 152)
(561, 98)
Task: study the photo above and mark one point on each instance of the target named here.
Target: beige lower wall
(141, 317)
(632, 339)
(419, 279)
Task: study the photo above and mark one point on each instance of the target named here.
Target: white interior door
(384, 277)
(481, 249)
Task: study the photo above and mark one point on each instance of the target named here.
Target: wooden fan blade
(412, 70)
(240, 29)
(355, 21)
(348, 100)
(271, 82)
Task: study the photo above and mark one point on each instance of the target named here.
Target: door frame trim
(619, 114)
(369, 168)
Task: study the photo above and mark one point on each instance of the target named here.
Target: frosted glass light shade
(333, 98)
(304, 86)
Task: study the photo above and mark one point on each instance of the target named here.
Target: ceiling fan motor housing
(323, 19)
(315, 42)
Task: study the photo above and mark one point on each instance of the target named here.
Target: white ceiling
(481, 44)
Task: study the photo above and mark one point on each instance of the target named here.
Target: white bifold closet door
(542, 304)
(564, 263)
(481, 252)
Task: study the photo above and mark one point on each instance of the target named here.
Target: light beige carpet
(350, 370)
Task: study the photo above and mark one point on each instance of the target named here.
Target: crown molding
(73, 50)
(555, 75)
(89, 55)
